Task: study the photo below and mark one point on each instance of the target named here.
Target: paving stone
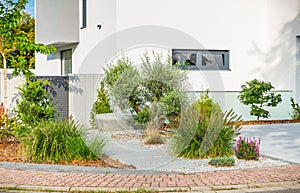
(240, 179)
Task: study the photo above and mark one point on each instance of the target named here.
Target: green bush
(221, 162)
(296, 110)
(258, 94)
(247, 148)
(7, 127)
(154, 90)
(114, 72)
(101, 105)
(58, 142)
(204, 131)
(36, 104)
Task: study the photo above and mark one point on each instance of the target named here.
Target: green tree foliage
(101, 105)
(16, 41)
(295, 110)
(36, 104)
(154, 91)
(17, 37)
(113, 72)
(258, 95)
(27, 25)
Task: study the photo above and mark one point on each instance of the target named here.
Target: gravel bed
(196, 165)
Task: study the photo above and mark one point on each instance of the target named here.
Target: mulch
(261, 122)
(12, 152)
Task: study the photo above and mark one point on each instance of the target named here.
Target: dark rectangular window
(201, 59)
(84, 12)
(66, 62)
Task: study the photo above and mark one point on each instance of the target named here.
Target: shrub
(36, 104)
(204, 131)
(101, 105)
(58, 142)
(7, 126)
(154, 90)
(258, 94)
(296, 110)
(114, 72)
(247, 148)
(221, 162)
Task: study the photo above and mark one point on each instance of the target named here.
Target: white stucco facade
(261, 36)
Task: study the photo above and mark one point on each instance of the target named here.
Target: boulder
(112, 122)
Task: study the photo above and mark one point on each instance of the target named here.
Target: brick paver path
(234, 177)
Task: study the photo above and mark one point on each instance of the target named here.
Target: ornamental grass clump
(59, 142)
(247, 148)
(153, 135)
(205, 131)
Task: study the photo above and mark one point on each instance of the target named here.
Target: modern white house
(223, 43)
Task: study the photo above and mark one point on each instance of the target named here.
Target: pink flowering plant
(247, 148)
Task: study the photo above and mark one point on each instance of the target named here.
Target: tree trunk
(5, 84)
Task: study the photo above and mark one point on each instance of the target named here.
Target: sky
(30, 7)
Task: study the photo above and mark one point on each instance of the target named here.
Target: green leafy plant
(222, 161)
(258, 95)
(16, 42)
(60, 141)
(296, 110)
(114, 71)
(154, 90)
(36, 104)
(204, 131)
(7, 127)
(101, 105)
(247, 148)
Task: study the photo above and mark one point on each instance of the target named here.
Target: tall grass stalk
(58, 142)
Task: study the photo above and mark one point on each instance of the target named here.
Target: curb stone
(96, 189)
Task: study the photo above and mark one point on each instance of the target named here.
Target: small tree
(295, 110)
(36, 103)
(15, 44)
(101, 105)
(258, 94)
(154, 92)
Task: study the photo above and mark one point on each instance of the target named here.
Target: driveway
(280, 141)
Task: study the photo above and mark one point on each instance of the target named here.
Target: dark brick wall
(59, 89)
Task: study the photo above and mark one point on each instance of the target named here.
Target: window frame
(199, 54)
(84, 14)
(62, 66)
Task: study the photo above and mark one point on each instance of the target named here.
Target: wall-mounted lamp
(99, 26)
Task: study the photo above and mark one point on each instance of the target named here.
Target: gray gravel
(128, 147)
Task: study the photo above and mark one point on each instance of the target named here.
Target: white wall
(297, 86)
(250, 29)
(57, 21)
(260, 34)
(82, 95)
(12, 90)
(47, 65)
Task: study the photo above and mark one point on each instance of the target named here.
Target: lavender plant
(247, 148)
